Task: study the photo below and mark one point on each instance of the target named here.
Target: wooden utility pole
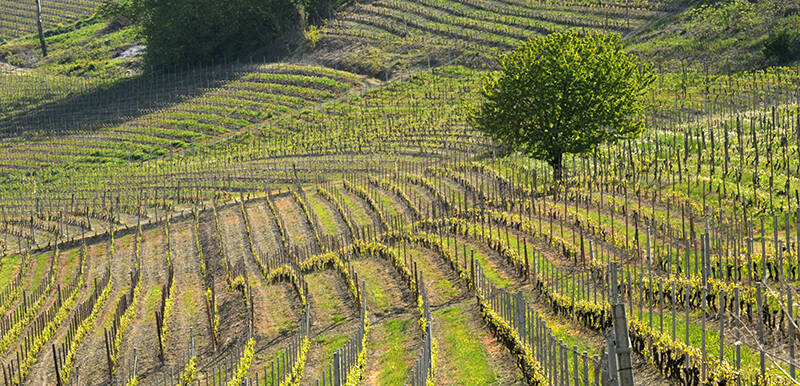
(39, 26)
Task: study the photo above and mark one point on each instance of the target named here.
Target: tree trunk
(558, 169)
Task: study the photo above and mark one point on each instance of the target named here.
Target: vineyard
(333, 219)
(18, 18)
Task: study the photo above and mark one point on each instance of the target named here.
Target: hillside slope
(723, 35)
(385, 37)
(255, 221)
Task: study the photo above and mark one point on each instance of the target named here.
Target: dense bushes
(191, 31)
(782, 46)
(194, 31)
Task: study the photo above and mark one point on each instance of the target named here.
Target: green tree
(191, 31)
(563, 93)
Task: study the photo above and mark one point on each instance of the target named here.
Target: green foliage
(245, 361)
(711, 21)
(210, 299)
(87, 48)
(313, 34)
(562, 93)
(782, 46)
(296, 373)
(318, 10)
(532, 369)
(125, 10)
(184, 31)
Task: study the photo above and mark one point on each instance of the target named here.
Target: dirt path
(276, 314)
(234, 237)
(230, 304)
(141, 335)
(266, 236)
(43, 370)
(91, 355)
(188, 317)
(297, 228)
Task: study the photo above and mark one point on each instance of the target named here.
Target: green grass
(750, 360)
(375, 281)
(324, 215)
(73, 259)
(277, 358)
(750, 357)
(87, 50)
(286, 326)
(561, 329)
(152, 301)
(716, 30)
(329, 345)
(498, 278)
(295, 234)
(190, 300)
(463, 353)
(566, 333)
(387, 205)
(42, 261)
(8, 268)
(393, 358)
(323, 298)
(440, 285)
(360, 217)
(448, 188)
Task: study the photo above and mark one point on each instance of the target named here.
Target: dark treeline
(198, 31)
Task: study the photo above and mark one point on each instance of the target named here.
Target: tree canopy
(563, 93)
(193, 31)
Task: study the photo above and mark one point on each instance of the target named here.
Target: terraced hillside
(290, 223)
(383, 37)
(18, 18)
(209, 110)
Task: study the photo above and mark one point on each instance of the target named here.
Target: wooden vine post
(158, 331)
(620, 340)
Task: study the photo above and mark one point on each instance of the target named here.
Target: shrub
(313, 34)
(782, 46)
